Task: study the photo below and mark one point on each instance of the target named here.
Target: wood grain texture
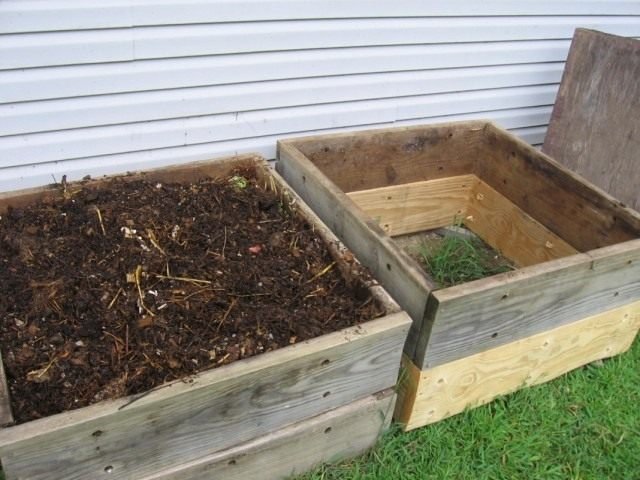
(6, 417)
(184, 421)
(413, 207)
(330, 437)
(595, 124)
(392, 156)
(477, 316)
(437, 393)
(407, 283)
(584, 215)
(510, 230)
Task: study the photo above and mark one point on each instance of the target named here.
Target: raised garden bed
(571, 299)
(131, 307)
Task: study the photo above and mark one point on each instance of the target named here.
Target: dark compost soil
(114, 291)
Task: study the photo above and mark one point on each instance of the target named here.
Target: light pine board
(476, 316)
(417, 206)
(510, 230)
(595, 124)
(330, 437)
(428, 396)
(185, 421)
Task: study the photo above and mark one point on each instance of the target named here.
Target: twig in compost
(112, 302)
(321, 272)
(226, 314)
(224, 243)
(154, 241)
(104, 232)
(137, 275)
(183, 279)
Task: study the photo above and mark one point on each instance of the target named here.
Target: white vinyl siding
(119, 85)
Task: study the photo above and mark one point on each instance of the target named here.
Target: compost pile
(113, 291)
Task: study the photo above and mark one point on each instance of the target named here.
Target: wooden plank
(6, 417)
(393, 268)
(595, 125)
(477, 316)
(184, 421)
(448, 389)
(417, 206)
(392, 156)
(510, 230)
(583, 215)
(333, 436)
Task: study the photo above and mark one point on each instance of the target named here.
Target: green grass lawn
(585, 425)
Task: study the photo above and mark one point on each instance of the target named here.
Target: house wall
(90, 87)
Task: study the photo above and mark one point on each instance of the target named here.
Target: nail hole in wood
(494, 335)
(327, 430)
(505, 296)
(97, 433)
(616, 294)
(325, 362)
(108, 469)
(388, 266)
(232, 462)
(304, 179)
(326, 394)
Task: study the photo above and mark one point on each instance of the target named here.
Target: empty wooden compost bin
(268, 416)
(571, 296)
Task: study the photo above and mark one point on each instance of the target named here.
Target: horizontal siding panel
(146, 75)
(50, 115)
(34, 16)
(117, 45)
(25, 176)
(86, 142)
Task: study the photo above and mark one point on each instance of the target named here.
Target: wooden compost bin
(263, 417)
(573, 298)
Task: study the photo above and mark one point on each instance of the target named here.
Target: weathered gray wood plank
(476, 316)
(595, 124)
(333, 436)
(5, 406)
(185, 421)
(395, 270)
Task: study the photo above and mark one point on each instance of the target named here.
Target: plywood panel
(417, 206)
(327, 438)
(595, 125)
(510, 230)
(436, 393)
